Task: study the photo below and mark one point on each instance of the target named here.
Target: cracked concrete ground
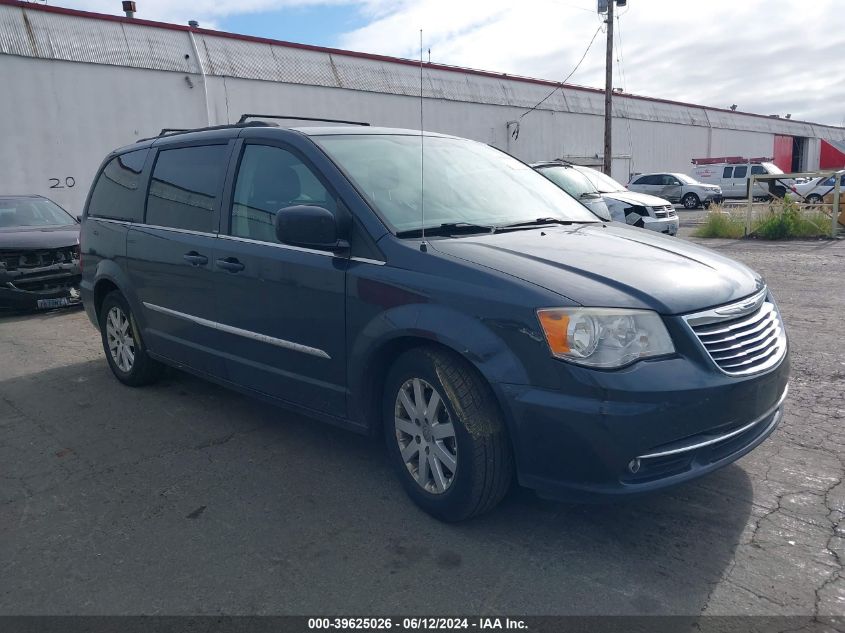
(185, 498)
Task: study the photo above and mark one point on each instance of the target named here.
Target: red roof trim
(371, 56)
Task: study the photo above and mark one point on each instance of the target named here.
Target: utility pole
(608, 93)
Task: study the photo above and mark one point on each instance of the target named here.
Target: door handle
(231, 264)
(195, 259)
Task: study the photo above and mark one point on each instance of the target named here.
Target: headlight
(604, 337)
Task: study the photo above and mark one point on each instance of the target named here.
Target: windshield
(602, 182)
(686, 179)
(465, 182)
(570, 180)
(16, 212)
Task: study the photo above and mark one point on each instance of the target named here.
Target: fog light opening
(634, 465)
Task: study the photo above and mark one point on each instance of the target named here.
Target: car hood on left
(611, 266)
(29, 237)
(637, 199)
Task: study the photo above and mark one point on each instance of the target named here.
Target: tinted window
(740, 172)
(757, 169)
(114, 194)
(184, 187)
(643, 180)
(269, 179)
(728, 172)
(826, 183)
(669, 180)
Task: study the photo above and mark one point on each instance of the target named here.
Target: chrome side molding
(230, 329)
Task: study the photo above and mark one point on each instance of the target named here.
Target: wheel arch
(438, 327)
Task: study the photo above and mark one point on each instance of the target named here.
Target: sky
(766, 56)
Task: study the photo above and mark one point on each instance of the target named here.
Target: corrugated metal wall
(81, 86)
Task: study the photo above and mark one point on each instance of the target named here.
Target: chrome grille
(664, 211)
(743, 338)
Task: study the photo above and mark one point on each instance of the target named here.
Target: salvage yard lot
(186, 498)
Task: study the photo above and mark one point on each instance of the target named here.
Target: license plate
(58, 302)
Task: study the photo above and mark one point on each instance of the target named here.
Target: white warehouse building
(77, 85)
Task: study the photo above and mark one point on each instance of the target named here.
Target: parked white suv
(733, 176)
(678, 188)
(631, 207)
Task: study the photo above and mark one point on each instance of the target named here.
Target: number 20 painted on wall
(56, 183)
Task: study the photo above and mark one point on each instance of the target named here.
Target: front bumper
(668, 225)
(48, 289)
(642, 430)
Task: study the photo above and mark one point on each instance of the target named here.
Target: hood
(26, 237)
(636, 198)
(611, 266)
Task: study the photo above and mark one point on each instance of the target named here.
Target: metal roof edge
(23, 4)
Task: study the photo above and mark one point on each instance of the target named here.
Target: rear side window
(114, 195)
(728, 172)
(184, 187)
(740, 172)
(757, 169)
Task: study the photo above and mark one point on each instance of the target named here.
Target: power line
(561, 84)
(620, 59)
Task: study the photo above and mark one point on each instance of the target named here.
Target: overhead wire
(562, 83)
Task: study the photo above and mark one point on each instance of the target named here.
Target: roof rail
(173, 131)
(244, 117)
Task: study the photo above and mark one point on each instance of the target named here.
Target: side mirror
(79, 219)
(310, 227)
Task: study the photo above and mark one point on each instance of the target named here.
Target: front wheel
(691, 201)
(125, 353)
(445, 435)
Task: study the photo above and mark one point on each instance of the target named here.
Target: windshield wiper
(541, 221)
(448, 228)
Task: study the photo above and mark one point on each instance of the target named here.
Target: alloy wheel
(120, 340)
(426, 436)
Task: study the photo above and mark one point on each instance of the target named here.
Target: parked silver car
(677, 188)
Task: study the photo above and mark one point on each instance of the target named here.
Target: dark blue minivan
(438, 291)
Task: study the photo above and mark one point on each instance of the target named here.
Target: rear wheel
(814, 198)
(445, 435)
(691, 201)
(122, 344)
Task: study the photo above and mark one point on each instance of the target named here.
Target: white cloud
(767, 56)
(207, 12)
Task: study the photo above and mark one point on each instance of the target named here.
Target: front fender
(398, 328)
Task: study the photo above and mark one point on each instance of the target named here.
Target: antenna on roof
(423, 246)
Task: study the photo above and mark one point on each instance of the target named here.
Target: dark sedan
(39, 254)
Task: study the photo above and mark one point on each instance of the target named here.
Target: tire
(691, 201)
(478, 445)
(122, 344)
(814, 199)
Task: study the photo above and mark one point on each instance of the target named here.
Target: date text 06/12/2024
(414, 624)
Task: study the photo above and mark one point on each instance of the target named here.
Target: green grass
(718, 223)
(784, 220)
